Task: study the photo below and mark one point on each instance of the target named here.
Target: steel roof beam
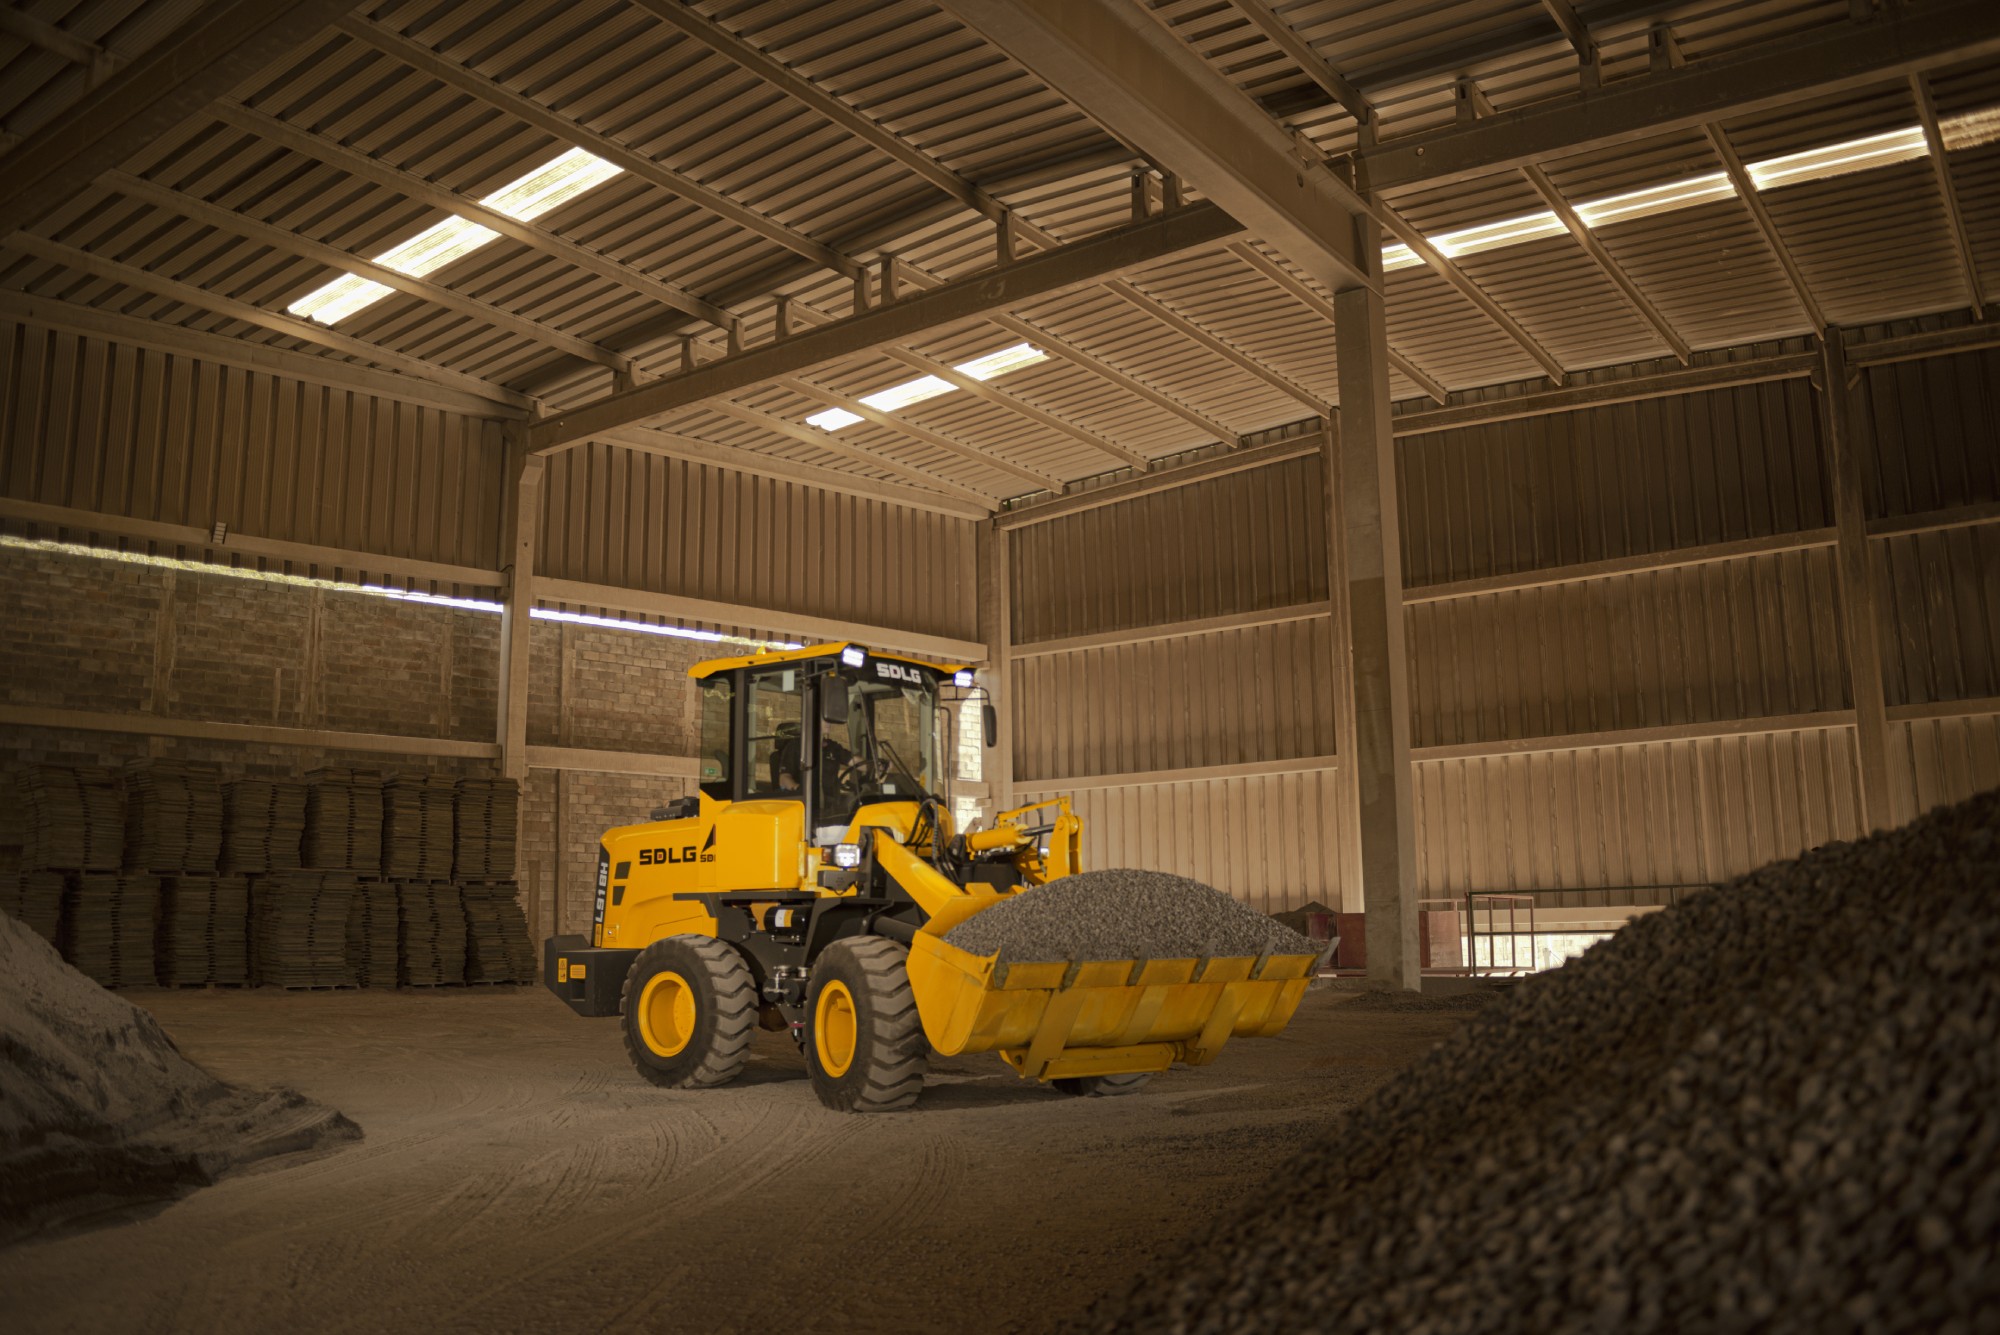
(1323, 308)
(278, 238)
(693, 449)
(449, 72)
(982, 294)
(1116, 63)
(100, 63)
(1331, 81)
(259, 358)
(1187, 328)
(1961, 240)
(979, 389)
(210, 54)
(306, 331)
(412, 186)
(903, 426)
(1824, 62)
(825, 443)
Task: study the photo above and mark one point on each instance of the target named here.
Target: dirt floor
(517, 1175)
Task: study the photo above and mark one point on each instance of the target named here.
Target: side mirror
(989, 722)
(832, 700)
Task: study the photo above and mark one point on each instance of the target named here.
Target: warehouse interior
(1457, 478)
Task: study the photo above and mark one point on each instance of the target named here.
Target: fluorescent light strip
(930, 386)
(549, 186)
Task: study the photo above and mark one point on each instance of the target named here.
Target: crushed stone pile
(73, 818)
(1120, 915)
(101, 1110)
(1770, 1107)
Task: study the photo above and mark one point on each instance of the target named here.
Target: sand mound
(98, 1108)
(1771, 1107)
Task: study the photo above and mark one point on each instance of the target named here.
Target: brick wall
(104, 635)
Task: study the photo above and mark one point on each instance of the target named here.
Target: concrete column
(996, 627)
(1367, 524)
(519, 537)
(1859, 625)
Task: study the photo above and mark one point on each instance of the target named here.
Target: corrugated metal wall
(98, 426)
(1269, 837)
(1747, 638)
(621, 517)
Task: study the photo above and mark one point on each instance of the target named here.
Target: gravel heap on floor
(1771, 1107)
(1120, 915)
(100, 1110)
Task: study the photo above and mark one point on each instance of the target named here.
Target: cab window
(717, 754)
(774, 704)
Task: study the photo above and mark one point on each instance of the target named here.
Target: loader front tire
(1102, 1086)
(689, 1008)
(865, 1046)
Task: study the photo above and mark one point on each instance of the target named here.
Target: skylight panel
(1001, 362)
(1653, 200)
(548, 187)
(1970, 129)
(1496, 235)
(930, 386)
(833, 419)
(1853, 155)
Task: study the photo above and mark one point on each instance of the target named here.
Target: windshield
(885, 752)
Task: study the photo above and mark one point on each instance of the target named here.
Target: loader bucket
(1099, 1017)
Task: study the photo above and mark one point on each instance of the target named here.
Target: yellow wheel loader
(809, 885)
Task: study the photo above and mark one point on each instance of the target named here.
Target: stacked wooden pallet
(173, 816)
(204, 930)
(417, 819)
(497, 946)
(108, 927)
(374, 934)
(74, 819)
(488, 824)
(299, 927)
(36, 898)
(263, 825)
(343, 830)
(433, 934)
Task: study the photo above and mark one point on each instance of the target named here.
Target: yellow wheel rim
(834, 1029)
(666, 1013)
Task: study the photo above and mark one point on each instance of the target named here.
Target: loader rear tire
(1103, 1086)
(865, 1046)
(689, 1008)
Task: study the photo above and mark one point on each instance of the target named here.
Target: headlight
(846, 855)
(854, 655)
(962, 678)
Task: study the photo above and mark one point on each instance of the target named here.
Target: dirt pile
(1124, 914)
(98, 1109)
(1771, 1107)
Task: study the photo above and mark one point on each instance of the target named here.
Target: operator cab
(834, 727)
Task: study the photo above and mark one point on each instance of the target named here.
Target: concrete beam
(1142, 84)
(1822, 63)
(1075, 265)
(205, 58)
